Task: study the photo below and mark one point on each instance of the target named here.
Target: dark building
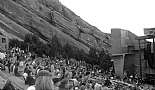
(3, 42)
(126, 53)
(149, 55)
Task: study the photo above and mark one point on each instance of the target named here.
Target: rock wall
(47, 18)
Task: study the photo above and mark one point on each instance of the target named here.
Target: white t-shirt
(21, 63)
(98, 86)
(25, 75)
(31, 88)
(2, 55)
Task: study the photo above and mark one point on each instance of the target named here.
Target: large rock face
(47, 18)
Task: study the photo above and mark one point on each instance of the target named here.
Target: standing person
(16, 69)
(82, 87)
(11, 68)
(30, 79)
(8, 65)
(98, 86)
(26, 73)
(107, 82)
(27, 69)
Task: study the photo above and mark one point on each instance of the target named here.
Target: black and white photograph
(77, 45)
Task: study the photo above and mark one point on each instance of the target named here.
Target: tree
(104, 60)
(55, 47)
(93, 56)
(31, 39)
(33, 42)
(17, 43)
(14, 43)
(22, 45)
(93, 53)
(68, 51)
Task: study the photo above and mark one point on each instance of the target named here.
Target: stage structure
(149, 54)
(126, 53)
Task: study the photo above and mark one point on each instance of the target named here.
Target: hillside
(47, 18)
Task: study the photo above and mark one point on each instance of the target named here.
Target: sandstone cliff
(47, 18)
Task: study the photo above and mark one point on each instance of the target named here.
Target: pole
(140, 60)
(28, 47)
(153, 49)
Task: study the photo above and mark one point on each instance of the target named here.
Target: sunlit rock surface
(47, 18)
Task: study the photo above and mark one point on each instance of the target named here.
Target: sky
(132, 15)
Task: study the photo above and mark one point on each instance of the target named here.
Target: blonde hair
(44, 83)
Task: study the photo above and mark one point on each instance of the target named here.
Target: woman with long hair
(44, 81)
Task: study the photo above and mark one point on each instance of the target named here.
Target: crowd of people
(57, 73)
